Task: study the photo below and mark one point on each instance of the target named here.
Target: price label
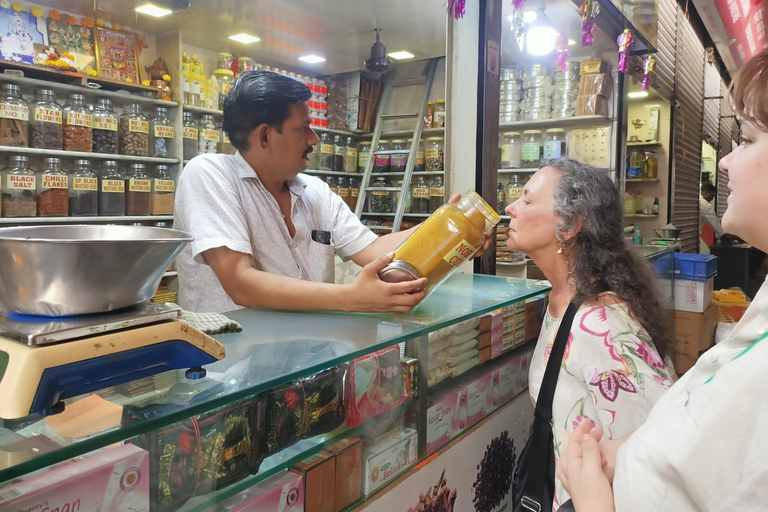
(49, 115)
(138, 126)
(78, 119)
(79, 183)
(164, 132)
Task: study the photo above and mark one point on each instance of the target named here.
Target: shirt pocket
(321, 261)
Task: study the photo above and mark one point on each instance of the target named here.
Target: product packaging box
(591, 105)
(384, 461)
(112, 479)
(481, 400)
(283, 492)
(693, 296)
(507, 381)
(694, 333)
(509, 325)
(490, 338)
(592, 66)
(319, 473)
(594, 84)
(497, 344)
(446, 417)
(486, 355)
(349, 460)
(508, 341)
(489, 321)
(519, 337)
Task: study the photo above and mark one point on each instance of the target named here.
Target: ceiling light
(312, 59)
(571, 42)
(530, 16)
(638, 94)
(244, 38)
(153, 10)
(541, 37)
(401, 55)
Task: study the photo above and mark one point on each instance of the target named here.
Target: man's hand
(370, 294)
(580, 470)
(488, 238)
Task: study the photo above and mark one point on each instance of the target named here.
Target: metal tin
(566, 76)
(510, 95)
(534, 103)
(509, 117)
(535, 70)
(511, 85)
(560, 113)
(511, 106)
(399, 271)
(539, 114)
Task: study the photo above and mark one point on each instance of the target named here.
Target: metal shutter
(711, 121)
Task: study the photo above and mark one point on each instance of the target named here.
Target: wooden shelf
(643, 144)
(639, 180)
(576, 121)
(85, 220)
(201, 110)
(86, 155)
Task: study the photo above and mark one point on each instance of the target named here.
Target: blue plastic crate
(695, 267)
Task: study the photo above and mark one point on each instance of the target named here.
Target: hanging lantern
(587, 25)
(624, 41)
(457, 8)
(648, 66)
(562, 51)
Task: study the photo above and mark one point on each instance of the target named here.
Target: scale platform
(45, 360)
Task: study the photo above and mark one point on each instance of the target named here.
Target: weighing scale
(44, 360)
(672, 243)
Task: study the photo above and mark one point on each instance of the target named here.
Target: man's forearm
(256, 289)
(381, 246)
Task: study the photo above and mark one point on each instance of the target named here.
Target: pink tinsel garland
(457, 8)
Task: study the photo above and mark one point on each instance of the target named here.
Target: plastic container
(45, 125)
(510, 144)
(111, 190)
(695, 267)
(555, 145)
(52, 190)
(105, 122)
(530, 154)
(14, 118)
(78, 125)
(381, 162)
(434, 154)
(83, 190)
(450, 236)
(19, 185)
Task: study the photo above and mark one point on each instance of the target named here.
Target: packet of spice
(375, 384)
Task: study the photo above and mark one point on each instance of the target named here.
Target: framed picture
(18, 36)
(75, 40)
(117, 54)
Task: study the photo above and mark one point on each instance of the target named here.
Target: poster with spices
(77, 40)
(117, 54)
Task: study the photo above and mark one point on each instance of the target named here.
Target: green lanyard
(743, 352)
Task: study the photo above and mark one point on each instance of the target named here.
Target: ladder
(380, 120)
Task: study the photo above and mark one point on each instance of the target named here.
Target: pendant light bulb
(541, 36)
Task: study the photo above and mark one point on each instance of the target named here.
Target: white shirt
(707, 215)
(705, 444)
(221, 202)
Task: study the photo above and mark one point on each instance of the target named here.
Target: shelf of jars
(359, 175)
(644, 144)
(641, 216)
(575, 121)
(89, 219)
(202, 110)
(86, 155)
(425, 132)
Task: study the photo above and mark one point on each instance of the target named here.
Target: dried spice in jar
(420, 196)
(531, 152)
(381, 162)
(133, 132)
(438, 120)
(339, 150)
(362, 156)
(354, 193)
(434, 154)
(398, 161)
(105, 122)
(325, 162)
(420, 164)
(138, 189)
(19, 185)
(436, 195)
(45, 127)
(52, 190)
(350, 156)
(83, 190)
(163, 188)
(111, 190)
(160, 133)
(189, 137)
(14, 118)
(382, 201)
(208, 136)
(78, 125)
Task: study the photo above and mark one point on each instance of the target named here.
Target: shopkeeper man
(707, 215)
(259, 226)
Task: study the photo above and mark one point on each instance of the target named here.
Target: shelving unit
(576, 121)
(644, 144)
(641, 216)
(517, 171)
(82, 154)
(640, 180)
(201, 110)
(86, 220)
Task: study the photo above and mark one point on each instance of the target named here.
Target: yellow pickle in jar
(448, 238)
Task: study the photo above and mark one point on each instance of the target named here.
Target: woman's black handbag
(534, 485)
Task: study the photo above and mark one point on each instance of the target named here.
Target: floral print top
(611, 374)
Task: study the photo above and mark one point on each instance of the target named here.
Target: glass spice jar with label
(207, 136)
(510, 146)
(14, 118)
(332, 184)
(111, 190)
(408, 203)
(83, 190)
(138, 188)
(350, 156)
(354, 193)
(434, 154)
(530, 157)
(45, 126)
(105, 122)
(381, 201)
(342, 189)
(189, 137)
(19, 188)
(398, 161)
(78, 125)
(226, 147)
(420, 164)
(133, 132)
(438, 120)
(52, 190)
(325, 162)
(436, 194)
(381, 162)
(555, 145)
(163, 191)
(420, 196)
(339, 150)
(160, 133)
(362, 156)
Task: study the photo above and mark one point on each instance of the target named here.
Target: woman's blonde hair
(750, 91)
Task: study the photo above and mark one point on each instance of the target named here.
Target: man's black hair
(259, 97)
(709, 188)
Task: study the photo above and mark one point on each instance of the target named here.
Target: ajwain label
(436, 192)
(81, 183)
(117, 186)
(105, 123)
(48, 115)
(189, 133)
(54, 181)
(460, 253)
(9, 111)
(326, 148)
(21, 182)
(211, 135)
(136, 185)
(433, 153)
(164, 185)
(164, 132)
(138, 126)
(78, 119)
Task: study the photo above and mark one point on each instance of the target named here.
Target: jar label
(211, 135)
(433, 153)
(20, 182)
(189, 133)
(326, 149)
(105, 123)
(137, 185)
(381, 160)
(438, 119)
(10, 111)
(400, 160)
(437, 192)
(355, 192)
(530, 151)
(225, 137)
(553, 149)
(419, 157)
(138, 126)
(352, 153)
(55, 181)
(78, 119)
(516, 192)
(340, 150)
(421, 193)
(117, 186)
(50, 115)
(334, 190)
(164, 185)
(362, 158)
(460, 253)
(504, 153)
(379, 193)
(344, 192)
(81, 183)
(227, 88)
(164, 132)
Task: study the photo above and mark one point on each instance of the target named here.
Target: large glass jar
(332, 184)
(226, 147)
(362, 156)
(83, 191)
(111, 190)
(436, 194)
(382, 201)
(381, 162)
(354, 193)
(450, 236)
(133, 132)
(208, 135)
(160, 133)
(105, 122)
(19, 185)
(555, 145)
(244, 64)
(339, 150)
(163, 188)
(325, 162)
(78, 125)
(438, 121)
(511, 150)
(530, 157)
(398, 161)
(514, 189)
(342, 189)
(420, 196)
(189, 137)
(434, 154)
(650, 166)
(138, 188)
(420, 164)
(408, 206)
(225, 76)
(45, 127)
(14, 118)
(52, 190)
(350, 156)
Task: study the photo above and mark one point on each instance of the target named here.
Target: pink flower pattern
(649, 355)
(610, 382)
(579, 419)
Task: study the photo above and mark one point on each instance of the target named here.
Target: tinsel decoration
(457, 8)
(624, 41)
(587, 25)
(648, 66)
(518, 4)
(562, 51)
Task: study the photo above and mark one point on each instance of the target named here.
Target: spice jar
(78, 125)
(382, 201)
(555, 145)
(342, 189)
(207, 136)
(354, 193)
(105, 122)
(419, 165)
(84, 191)
(408, 203)
(52, 190)
(381, 162)
(510, 144)
(434, 154)
(325, 162)
(362, 156)
(133, 132)
(436, 194)
(339, 150)
(650, 166)
(398, 161)
(163, 188)
(45, 128)
(19, 185)
(138, 188)
(226, 147)
(429, 116)
(420, 196)
(451, 235)
(111, 190)
(331, 182)
(160, 133)
(350, 156)
(530, 156)
(514, 189)
(439, 119)
(225, 76)
(189, 137)
(14, 118)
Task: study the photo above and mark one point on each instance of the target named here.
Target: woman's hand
(581, 472)
(488, 238)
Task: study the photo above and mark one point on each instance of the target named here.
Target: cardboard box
(283, 491)
(480, 398)
(508, 342)
(486, 355)
(319, 472)
(489, 321)
(520, 337)
(507, 376)
(446, 417)
(490, 338)
(349, 467)
(594, 84)
(592, 66)
(694, 334)
(591, 105)
(382, 462)
(519, 322)
(693, 296)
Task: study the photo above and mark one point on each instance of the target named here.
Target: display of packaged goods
(511, 86)
(509, 118)
(349, 455)
(466, 366)
(490, 337)
(281, 492)
(541, 102)
(375, 384)
(535, 82)
(511, 375)
(489, 321)
(511, 106)
(486, 355)
(592, 66)
(534, 115)
(384, 461)
(438, 375)
(534, 70)
(481, 398)
(591, 106)
(567, 75)
(511, 95)
(693, 296)
(446, 417)
(319, 478)
(508, 341)
(594, 84)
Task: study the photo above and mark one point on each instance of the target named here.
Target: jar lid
(365, 143)
(512, 133)
(532, 132)
(440, 101)
(555, 130)
(382, 141)
(399, 271)
(435, 138)
(398, 141)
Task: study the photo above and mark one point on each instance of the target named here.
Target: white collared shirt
(221, 202)
(707, 215)
(705, 444)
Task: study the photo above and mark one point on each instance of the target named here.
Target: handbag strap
(542, 416)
